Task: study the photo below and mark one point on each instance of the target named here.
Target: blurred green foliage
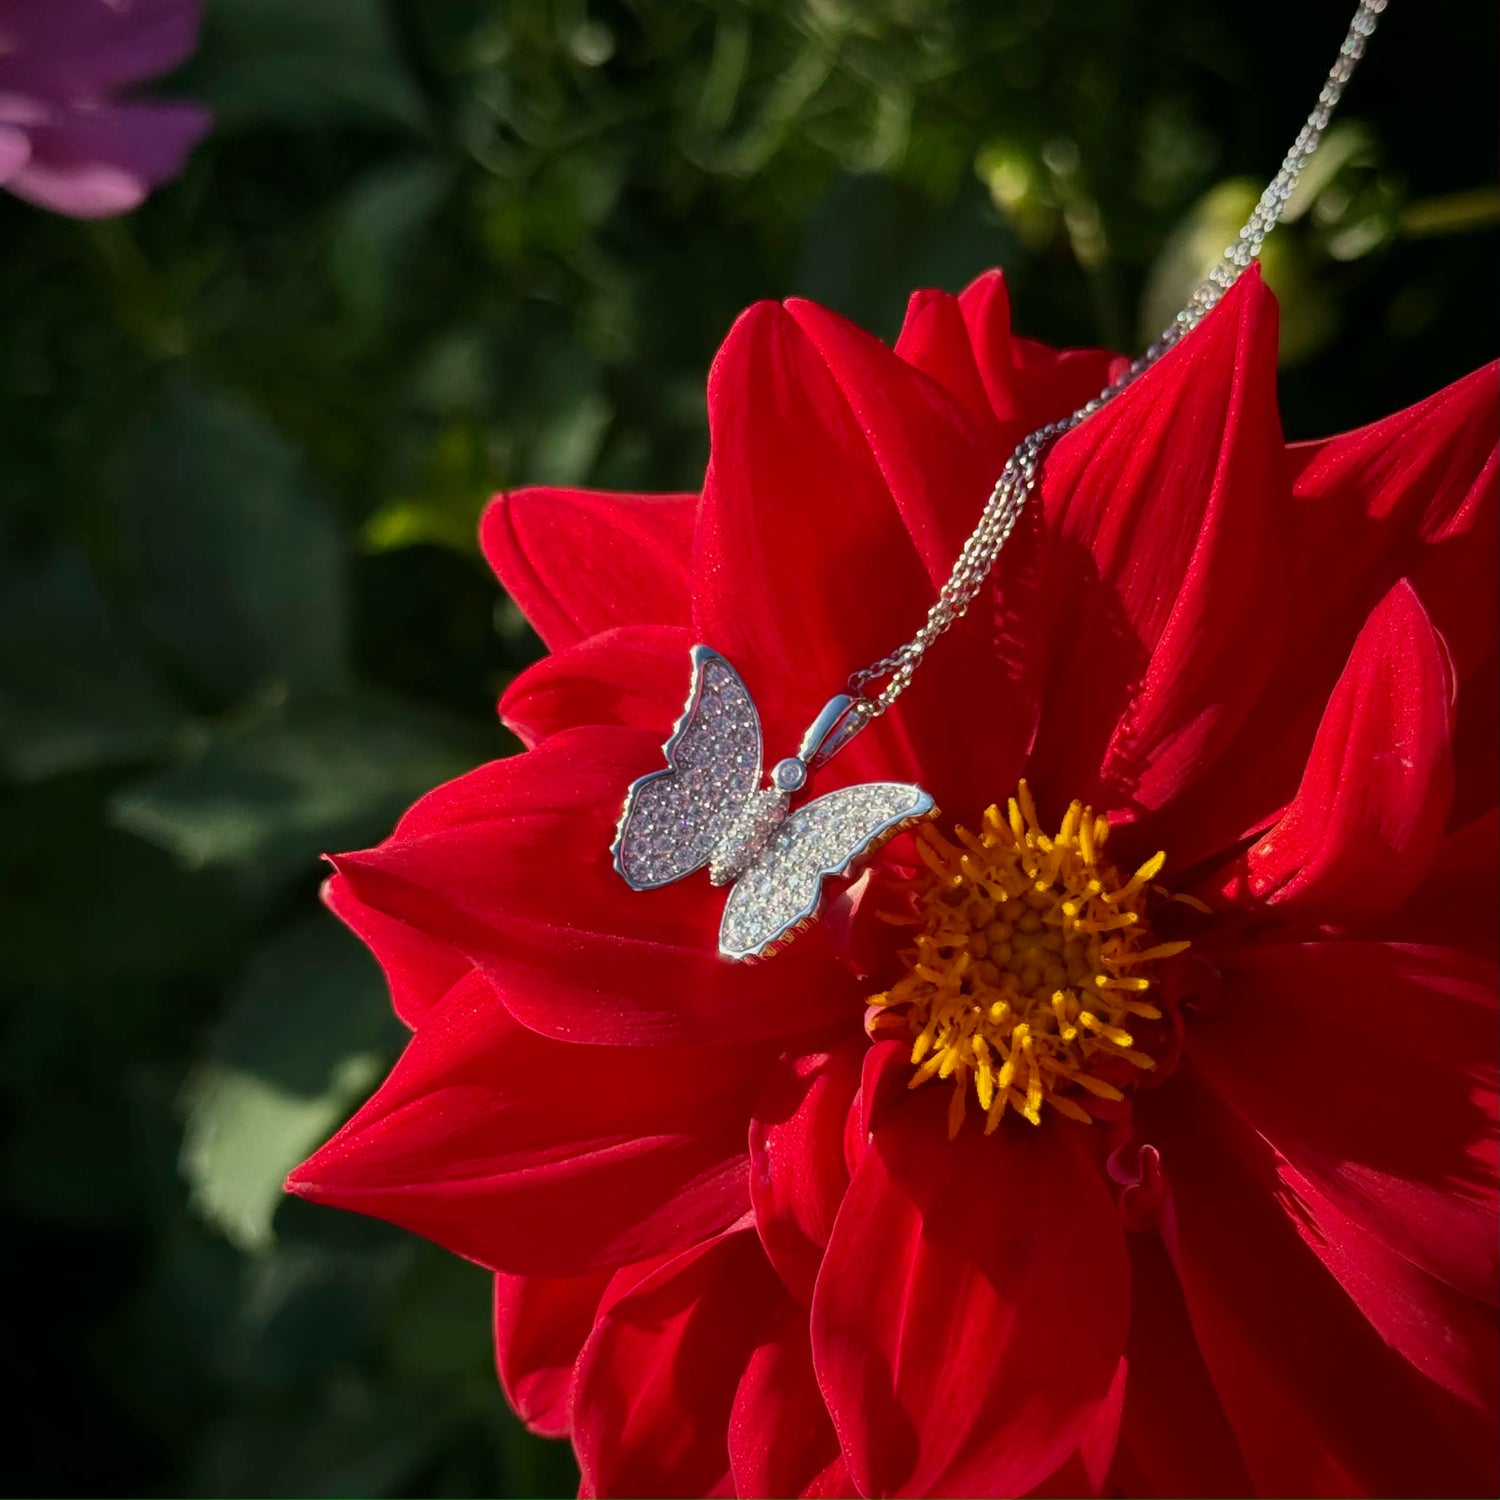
(437, 247)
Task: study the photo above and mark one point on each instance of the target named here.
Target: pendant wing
(673, 818)
(779, 894)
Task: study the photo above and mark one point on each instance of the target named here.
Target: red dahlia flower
(1016, 1174)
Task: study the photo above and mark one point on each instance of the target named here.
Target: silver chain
(1019, 476)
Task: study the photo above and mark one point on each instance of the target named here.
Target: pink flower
(69, 141)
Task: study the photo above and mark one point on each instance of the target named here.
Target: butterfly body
(750, 829)
(707, 807)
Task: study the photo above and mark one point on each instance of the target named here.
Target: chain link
(1019, 476)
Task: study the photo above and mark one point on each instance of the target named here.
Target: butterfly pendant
(708, 808)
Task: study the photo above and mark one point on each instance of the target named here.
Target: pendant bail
(842, 718)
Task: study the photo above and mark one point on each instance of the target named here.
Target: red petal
(1476, 743)
(936, 461)
(1090, 1470)
(419, 969)
(1096, 1452)
(1319, 1403)
(833, 1483)
(1371, 1068)
(1412, 496)
(1413, 493)
(781, 1441)
(970, 1315)
(541, 1323)
(544, 1158)
(1174, 1437)
(1458, 904)
(1028, 384)
(885, 1074)
(511, 865)
(971, 715)
(1360, 834)
(636, 676)
(658, 1376)
(935, 340)
(807, 572)
(1166, 519)
(581, 561)
(1449, 1337)
(797, 1171)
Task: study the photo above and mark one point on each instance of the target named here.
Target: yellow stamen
(1029, 967)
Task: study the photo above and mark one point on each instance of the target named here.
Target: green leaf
(445, 505)
(73, 694)
(1348, 145)
(870, 235)
(306, 1033)
(1309, 314)
(566, 446)
(1192, 250)
(308, 1308)
(302, 62)
(439, 1324)
(377, 227)
(347, 1437)
(272, 797)
(245, 1134)
(90, 908)
(238, 565)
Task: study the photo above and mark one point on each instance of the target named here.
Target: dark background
(433, 248)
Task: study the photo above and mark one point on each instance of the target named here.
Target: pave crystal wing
(779, 894)
(673, 818)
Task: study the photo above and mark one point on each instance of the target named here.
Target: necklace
(707, 807)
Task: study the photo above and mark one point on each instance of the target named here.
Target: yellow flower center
(1031, 967)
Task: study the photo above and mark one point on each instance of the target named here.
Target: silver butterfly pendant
(708, 808)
